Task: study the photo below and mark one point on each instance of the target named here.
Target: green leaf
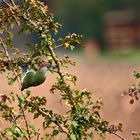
(17, 132)
(32, 126)
(20, 100)
(75, 124)
(72, 137)
(136, 74)
(55, 132)
(28, 93)
(91, 136)
(36, 115)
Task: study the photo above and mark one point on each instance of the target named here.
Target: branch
(58, 46)
(122, 138)
(25, 18)
(58, 70)
(54, 121)
(60, 127)
(4, 136)
(6, 3)
(26, 122)
(19, 83)
(13, 3)
(38, 134)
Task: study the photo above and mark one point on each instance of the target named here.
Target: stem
(58, 46)
(19, 83)
(6, 138)
(122, 138)
(38, 135)
(60, 127)
(119, 136)
(58, 71)
(6, 3)
(26, 123)
(13, 3)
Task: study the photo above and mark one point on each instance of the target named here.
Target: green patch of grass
(132, 56)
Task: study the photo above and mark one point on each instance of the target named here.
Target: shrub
(83, 115)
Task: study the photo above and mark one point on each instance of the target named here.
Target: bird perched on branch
(35, 78)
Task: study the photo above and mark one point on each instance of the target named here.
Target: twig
(6, 3)
(13, 3)
(38, 135)
(26, 123)
(122, 138)
(6, 138)
(60, 127)
(24, 17)
(58, 46)
(55, 121)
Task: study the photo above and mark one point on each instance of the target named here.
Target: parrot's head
(46, 64)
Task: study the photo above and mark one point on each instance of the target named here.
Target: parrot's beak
(54, 66)
(51, 66)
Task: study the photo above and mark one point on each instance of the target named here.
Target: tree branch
(54, 121)
(13, 3)
(19, 83)
(122, 138)
(58, 70)
(58, 46)
(6, 3)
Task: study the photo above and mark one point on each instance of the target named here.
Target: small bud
(131, 101)
(4, 98)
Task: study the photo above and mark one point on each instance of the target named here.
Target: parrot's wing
(28, 80)
(39, 78)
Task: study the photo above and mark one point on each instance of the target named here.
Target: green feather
(39, 78)
(33, 78)
(28, 80)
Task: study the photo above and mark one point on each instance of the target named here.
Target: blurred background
(111, 53)
(109, 24)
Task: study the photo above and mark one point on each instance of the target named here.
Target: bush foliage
(82, 119)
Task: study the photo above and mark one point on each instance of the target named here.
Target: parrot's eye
(48, 65)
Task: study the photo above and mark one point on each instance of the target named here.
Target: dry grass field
(106, 79)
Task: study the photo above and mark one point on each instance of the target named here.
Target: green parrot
(35, 78)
